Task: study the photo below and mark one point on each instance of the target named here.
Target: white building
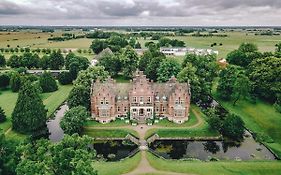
(181, 51)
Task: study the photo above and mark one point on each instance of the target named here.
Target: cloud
(143, 12)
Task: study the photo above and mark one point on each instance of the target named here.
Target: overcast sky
(140, 12)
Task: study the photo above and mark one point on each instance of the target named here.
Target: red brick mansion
(141, 99)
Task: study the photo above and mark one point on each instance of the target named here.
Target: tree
(226, 82)
(167, 69)
(138, 45)
(277, 104)
(214, 120)
(233, 127)
(152, 66)
(72, 155)
(30, 60)
(86, 77)
(47, 82)
(29, 113)
(188, 75)
(164, 42)
(265, 77)
(130, 61)
(2, 61)
(4, 80)
(14, 61)
(15, 82)
(98, 45)
(56, 60)
(74, 120)
(79, 96)
(241, 87)
(278, 47)
(111, 63)
(246, 53)
(44, 62)
(65, 78)
(2, 116)
(206, 71)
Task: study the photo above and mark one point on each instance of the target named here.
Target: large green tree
(79, 96)
(227, 79)
(98, 45)
(2, 61)
(4, 80)
(29, 113)
(74, 120)
(130, 61)
(206, 71)
(86, 77)
(72, 155)
(15, 82)
(265, 77)
(111, 62)
(246, 53)
(233, 127)
(56, 60)
(47, 82)
(167, 69)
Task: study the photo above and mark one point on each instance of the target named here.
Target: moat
(115, 150)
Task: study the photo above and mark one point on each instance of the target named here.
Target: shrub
(4, 80)
(2, 115)
(47, 82)
(65, 78)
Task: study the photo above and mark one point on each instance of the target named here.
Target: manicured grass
(216, 168)
(115, 123)
(109, 133)
(174, 131)
(260, 118)
(195, 133)
(166, 123)
(118, 168)
(51, 100)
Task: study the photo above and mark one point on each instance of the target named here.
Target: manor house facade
(141, 99)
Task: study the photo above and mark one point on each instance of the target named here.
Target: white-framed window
(134, 110)
(125, 109)
(163, 109)
(118, 108)
(148, 110)
(106, 102)
(149, 99)
(157, 109)
(101, 102)
(141, 99)
(134, 99)
(177, 102)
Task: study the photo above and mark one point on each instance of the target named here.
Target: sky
(141, 12)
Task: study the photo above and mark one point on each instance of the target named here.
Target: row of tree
(252, 74)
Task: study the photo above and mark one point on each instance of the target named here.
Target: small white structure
(181, 51)
(94, 62)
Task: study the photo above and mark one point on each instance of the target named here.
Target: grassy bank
(117, 168)
(109, 133)
(218, 168)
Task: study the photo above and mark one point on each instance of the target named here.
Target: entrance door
(141, 112)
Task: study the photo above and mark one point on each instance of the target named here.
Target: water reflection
(206, 150)
(114, 150)
(56, 133)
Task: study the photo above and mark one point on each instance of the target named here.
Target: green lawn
(191, 121)
(185, 130)
(51, 100)
(260, 118)
(118, 168)
(115, 123)
(216, 168)
(109, 133)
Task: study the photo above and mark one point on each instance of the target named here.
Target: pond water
(56, 133)
(114, 150)
(249, 149)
